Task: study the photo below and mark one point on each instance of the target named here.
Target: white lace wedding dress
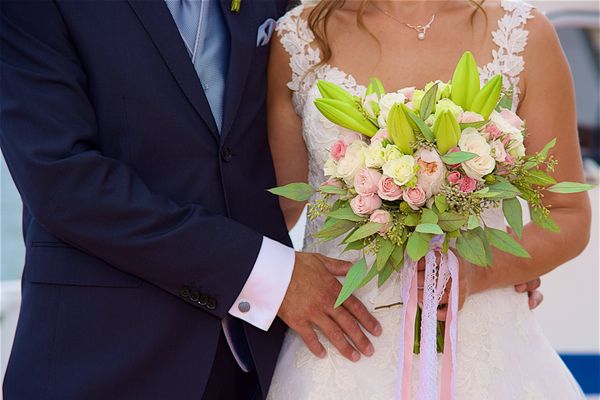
(501, 354)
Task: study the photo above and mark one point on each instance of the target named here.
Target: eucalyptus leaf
(365, 230)
(471, 248)
(418, 245)
(294, 191)
(543, 154)
(457, 157)
(358, 245)
(428, 216)
(544, 221)
(570, 187)
(504, 189)
(384, 274)
(370, 275)
(422, 126)
(441, 203)
(412, 219)
(449, 221)
(486, 245)
(354, 278)
(330, 189)
(428, 102)
(514, 215)
(539, 177)
(473, 222)
(345, 213)
(335, 230)
(386, 248)
(503, 241)
(434, 229)
(397, 257)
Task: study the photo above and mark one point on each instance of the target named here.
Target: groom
(156, 261)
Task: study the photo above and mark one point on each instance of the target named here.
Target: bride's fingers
(353, 331)
(336, 336)
(310, 339)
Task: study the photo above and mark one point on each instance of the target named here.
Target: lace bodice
(501, 352)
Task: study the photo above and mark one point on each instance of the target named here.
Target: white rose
(471, 141)
(330, 168)
(353, 161)
(515, 146)
(402, 169)
(375, 155)
(391, 152)
(498, 151)
(386, 103)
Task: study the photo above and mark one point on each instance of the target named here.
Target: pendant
(421, 35)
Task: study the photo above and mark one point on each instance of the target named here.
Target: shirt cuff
(263, 293)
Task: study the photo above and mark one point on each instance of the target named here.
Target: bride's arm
(548, 107)
(285, 131)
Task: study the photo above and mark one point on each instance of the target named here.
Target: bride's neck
(407, 7)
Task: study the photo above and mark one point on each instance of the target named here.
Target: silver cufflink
(244, 306)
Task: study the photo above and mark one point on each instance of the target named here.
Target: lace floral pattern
(501, 351)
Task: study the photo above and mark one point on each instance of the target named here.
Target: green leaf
(335, 230)
(365, 230)
(330, 189)
(475, 125)
(473, 222)
(441, 203)
(370, 275)
(294, 191)
(428, 102)
(503, 241)
(505, 102)
(397, 257)
(539, 177)
(418, 245)
(352, 282)
(514, 215)
(358, 245)
(345, 213)
(471, 248)
(505, 189)
(386, 248)
(486, 245)
(457, 157)
(434, 229)
(384, 274)
(543, 154)
(428, 217)
(422, 126)
(412, 219)
(570, 187)
(449, 221)
(543, 221)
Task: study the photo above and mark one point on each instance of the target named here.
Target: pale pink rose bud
(366, 181)
(338, 150)
(415, 197)
(365, 205)
(454, 177)
(512, 118)
(469, 117)
(492, 131)
(380, 136)
(467, 185)
(388, 190)
(407, 92)
(332, 182)
(382, 217)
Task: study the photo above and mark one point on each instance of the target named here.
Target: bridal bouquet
(410, 177)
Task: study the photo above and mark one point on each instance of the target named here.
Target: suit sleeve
(48, 135)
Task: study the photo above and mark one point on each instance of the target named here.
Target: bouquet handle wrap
(436, 279)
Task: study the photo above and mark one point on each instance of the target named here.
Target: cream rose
(503, 125)
(402, 169)
(330, 168)
(386, 103)
(375, 155)
(471, 141)
(391, 152)
(352, 162)
(498, 151)
(431, 172)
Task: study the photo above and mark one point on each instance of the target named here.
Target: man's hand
(309, 302)
(535, 296)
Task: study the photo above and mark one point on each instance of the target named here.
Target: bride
(502, 352)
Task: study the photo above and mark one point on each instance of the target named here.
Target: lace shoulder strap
(296, 38)
(511, 39)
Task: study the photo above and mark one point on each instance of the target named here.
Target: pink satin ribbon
(436, 278)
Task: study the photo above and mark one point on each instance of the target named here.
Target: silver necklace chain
(420, 29)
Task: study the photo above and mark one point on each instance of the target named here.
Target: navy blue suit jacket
(141, 222)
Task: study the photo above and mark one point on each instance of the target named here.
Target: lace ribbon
(436, 279)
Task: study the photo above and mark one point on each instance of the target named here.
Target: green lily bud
(332, 91)
(486, 100)
(345, 115)
(400, 128)
(465, 81)
(446, 131)
(375, 86)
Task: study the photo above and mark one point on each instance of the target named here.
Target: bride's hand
(309, 301)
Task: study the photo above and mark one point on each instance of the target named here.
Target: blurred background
(570, 314)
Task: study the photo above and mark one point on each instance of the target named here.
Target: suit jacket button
(184, 292)
(211, 304)
(226, 154)
(203, 299)
(194, 296)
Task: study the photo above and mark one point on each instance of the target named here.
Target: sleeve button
(194, 296)
(244, 306)
(203, 300)
(211, 304)
(184, 292)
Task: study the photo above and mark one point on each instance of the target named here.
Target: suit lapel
(243, 36)
(158, 22)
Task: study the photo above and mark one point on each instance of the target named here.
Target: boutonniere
(235, 6)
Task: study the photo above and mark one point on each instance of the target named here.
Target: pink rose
(381, 217)
(338, 150)
(431, 171)
(365, 205)
(468, 117)
(492, 131)
(467, 185)
(366, 181)
(415, 197)
(408, 92)
(349, 136)
(512, 118)
(380, 136)
(388, 190)
(332, 182)
(454, 177)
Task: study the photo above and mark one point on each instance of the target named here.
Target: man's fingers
(362, 315)
(535, 299)
(335, 335)
(352, 330)
(311, 340)
(336, 267)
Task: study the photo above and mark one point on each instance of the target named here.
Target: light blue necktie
(202, 26)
